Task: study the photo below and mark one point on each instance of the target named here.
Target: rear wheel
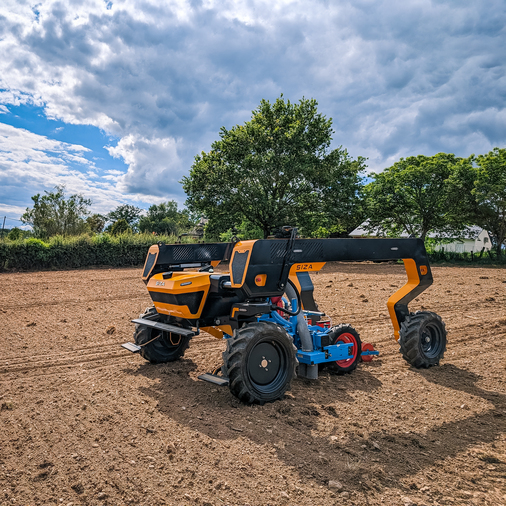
(259, 362)
(346, 334)
(158, 346)
(422, 339)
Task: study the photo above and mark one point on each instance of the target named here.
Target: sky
(115, 99)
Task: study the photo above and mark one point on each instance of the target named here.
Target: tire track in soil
(440, 309)
(66, 376)
(72, 352)
(76, 301)
(58, 362)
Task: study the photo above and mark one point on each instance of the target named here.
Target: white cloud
(154, 166)
(11, 212)
(396, 77)
(31, 163)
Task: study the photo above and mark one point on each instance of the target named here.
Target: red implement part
(347, 338)
(278, 301)
(367, 347)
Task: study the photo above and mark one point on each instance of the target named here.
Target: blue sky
(114, 99)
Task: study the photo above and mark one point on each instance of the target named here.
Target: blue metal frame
(320, 354)
(373, 352)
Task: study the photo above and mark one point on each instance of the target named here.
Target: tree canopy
(274, 170)
(412, 196)
(120, 227)
(490, 194)
(127, 212)
(96, 223)
(480, 194)
(54, 214)
(165, 218)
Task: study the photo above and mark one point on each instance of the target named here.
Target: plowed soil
(83, 421)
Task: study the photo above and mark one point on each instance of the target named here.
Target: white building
(474, 239)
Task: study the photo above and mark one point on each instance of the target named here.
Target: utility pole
(3, 226)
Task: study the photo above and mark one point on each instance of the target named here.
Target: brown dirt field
(83, 421)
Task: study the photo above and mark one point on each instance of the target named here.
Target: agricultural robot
(264, 308)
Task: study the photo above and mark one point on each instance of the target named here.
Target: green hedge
(75, 252)
(131, 249)
(485, 258)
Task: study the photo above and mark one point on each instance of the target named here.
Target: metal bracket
(165, 327)
(131, 347)
(214, 378)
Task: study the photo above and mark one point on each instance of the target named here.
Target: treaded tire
(259, 362)
(422, 339)
(167, 348)
(345, 333)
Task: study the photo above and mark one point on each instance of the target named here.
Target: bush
(15, 234)
(485, 258)
(80, 251)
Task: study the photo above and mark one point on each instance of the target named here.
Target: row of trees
(55, 214)
(442, 194)
(279, 169)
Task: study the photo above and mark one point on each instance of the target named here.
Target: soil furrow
(58, 363)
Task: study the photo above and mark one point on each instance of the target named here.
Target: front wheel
(422, 339)
(158, 346)
(259, 362)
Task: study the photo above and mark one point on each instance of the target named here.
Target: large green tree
(490, 194)
(480, 193)
(413, 196)
(276, 169)
(166, 218)
(55, 214)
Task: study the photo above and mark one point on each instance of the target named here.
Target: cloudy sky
(115, 98)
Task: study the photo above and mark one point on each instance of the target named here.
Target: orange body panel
(306, 267)
(241, 248)
(260, 279)
(154, 250)
(179, 284)
(218, 331)
(413, 282)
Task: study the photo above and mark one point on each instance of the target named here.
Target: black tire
(259, 362)
(167, 348)
(422, 339)
(345, 333)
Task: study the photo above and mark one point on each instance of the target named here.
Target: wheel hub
(264, 363)
(431, 340)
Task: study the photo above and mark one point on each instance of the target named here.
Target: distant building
(474, 239)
